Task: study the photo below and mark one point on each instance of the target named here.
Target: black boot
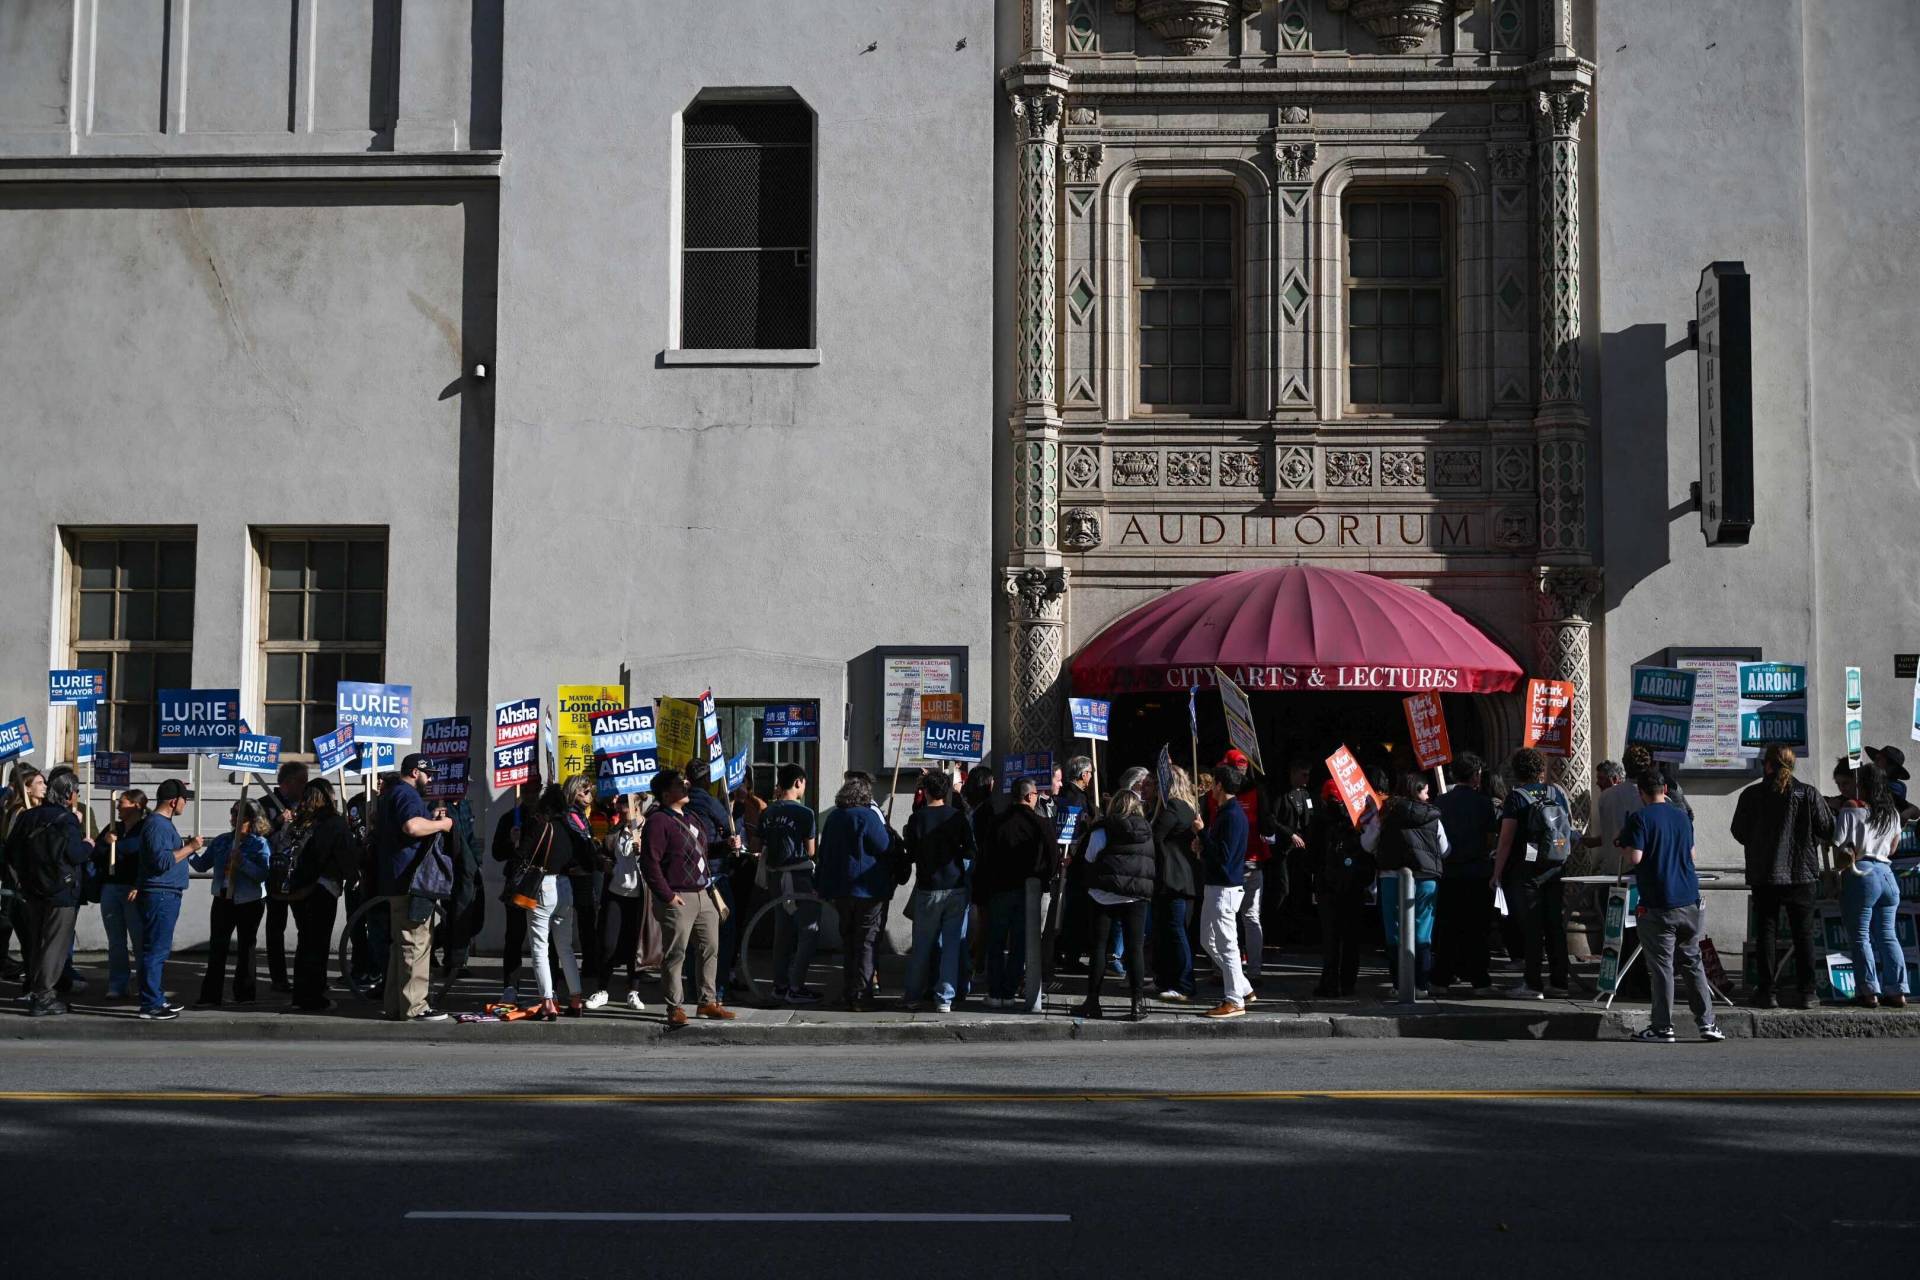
(1088, 1009)
(1133, 1010)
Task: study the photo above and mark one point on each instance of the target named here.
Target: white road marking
(1872, 1223)
(529, 1215)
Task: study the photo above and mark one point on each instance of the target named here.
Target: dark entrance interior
(1310, 724)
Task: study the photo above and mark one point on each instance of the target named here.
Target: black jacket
(1410, 837)
(1125, 864)
(1338, 864)
(1292, 816)
(327, 850)
(1022, 850)
(1175, 870)
(1781, 833)
(939, 839)
(73, 854)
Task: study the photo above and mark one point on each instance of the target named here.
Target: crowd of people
(1006, 894)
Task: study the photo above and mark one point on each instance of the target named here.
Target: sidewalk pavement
(1284, 1011)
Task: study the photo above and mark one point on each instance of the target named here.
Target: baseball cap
(172, 789)
(1235, 757)
(415, 760)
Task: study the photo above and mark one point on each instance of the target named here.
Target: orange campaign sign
(943, 708)
(1355, 791)
(1549, 717)
(1427, 725)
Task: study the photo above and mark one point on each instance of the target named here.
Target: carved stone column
(1562, 632)
(1036, 582)
(1560, 419)
(1036, 611)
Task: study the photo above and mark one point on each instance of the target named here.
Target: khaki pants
(407, 961)
(698, 919)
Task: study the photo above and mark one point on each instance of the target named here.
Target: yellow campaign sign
(676, 727)
(578, 702)
(576, 754)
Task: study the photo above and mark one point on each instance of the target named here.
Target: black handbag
(524, 877)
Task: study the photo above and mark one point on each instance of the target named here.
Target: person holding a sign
(939, 839)
(1536, 838)
(1407, 833)
(119, 881)
(325, 861)
(1224, 857)
(278, 805)
(164, 873)
(1658, 843)
(1781, 823)
(405, 848)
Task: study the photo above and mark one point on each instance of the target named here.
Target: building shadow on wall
(1638, 513)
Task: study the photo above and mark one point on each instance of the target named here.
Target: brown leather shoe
(676, 1016)
(1225, 1009)
(717, 1011)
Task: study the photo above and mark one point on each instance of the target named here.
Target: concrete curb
(788, 1028)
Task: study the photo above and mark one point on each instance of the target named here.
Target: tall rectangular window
(326, 621)
(1397, 289)
(1187, 298)
(133, 618)
(746, 271)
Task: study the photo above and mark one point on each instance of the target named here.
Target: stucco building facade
(1072, 303)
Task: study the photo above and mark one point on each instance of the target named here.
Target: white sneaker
(943, 1007)
(635, 1003)
(1522, 992)
(598, 1000)
(509, 995)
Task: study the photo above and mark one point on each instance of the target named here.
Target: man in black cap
(1894, 761)
(404, 839)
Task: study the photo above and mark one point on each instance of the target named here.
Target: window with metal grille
(746, 263)
(325, 608)
(133, 618)
(1187, 298)
(1397, 288)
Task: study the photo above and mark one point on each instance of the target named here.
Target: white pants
(1221, 939)
(553, 920)
(1253, 938)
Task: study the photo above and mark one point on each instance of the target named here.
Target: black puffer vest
(1125, 864)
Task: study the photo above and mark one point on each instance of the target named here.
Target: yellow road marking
(798, 1099)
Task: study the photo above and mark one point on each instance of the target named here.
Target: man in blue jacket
(1225, 859)
(162, 859)
(46, 850)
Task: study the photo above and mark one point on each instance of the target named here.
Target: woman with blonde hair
(1781, 823)
(238, 859)
(1176, 884)
(1121, 856)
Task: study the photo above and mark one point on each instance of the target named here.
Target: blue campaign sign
(89, 737)
(377, 712)
(1036, 767)
(253, 753)
(333, 750)
(374, 757)
(199, 720)
(942, 740)
(72, 688)
(1066, 824)
(737, 772)
(1090, 717)
(113, 770)
(628, 729)
(15, 739)
(791, 722)
(620, 773)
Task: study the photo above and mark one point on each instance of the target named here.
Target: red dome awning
(1295, 627)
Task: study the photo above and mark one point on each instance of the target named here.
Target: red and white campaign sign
(1549, 717)
(1355, 791)
(1427, 725)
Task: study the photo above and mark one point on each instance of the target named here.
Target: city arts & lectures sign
(1350, 678)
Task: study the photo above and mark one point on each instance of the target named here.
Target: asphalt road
(1352, 1158)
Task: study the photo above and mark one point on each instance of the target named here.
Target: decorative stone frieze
(1349, 469)
(1295, 467)
(1136, 468)
(1401, 26)
(1189, 468)
(1083, 161)
(1188, 26)
(1083, 467)
(1295, 160)
(1403, 468)
(1239, 469)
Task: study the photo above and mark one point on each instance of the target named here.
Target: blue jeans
(1869, 899)
(1426, 896)
(121, 919)
(159, 912)
(1006, 942)
(1172, 949)
(939, 918)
